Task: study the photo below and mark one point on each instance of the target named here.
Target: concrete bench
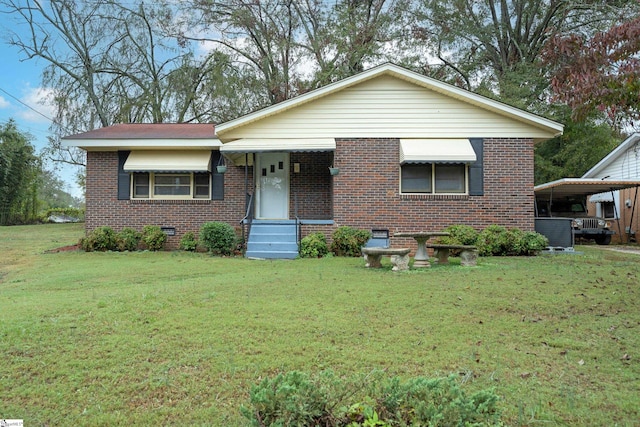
(468, 254)
(399, 257)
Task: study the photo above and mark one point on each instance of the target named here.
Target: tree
(109, 62)
(495, 46)
(18, 176)
(600, 72)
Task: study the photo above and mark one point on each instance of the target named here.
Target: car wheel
(603, 240)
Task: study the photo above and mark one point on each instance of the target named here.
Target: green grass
(172, 337)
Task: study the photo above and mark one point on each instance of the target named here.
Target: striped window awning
(436, 151)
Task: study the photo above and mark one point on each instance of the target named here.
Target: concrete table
(421, 259)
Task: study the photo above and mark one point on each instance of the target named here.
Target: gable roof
(614, 155)
(549, 126)
(146, 135)
(149, 131)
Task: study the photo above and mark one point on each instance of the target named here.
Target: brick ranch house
(410, 153)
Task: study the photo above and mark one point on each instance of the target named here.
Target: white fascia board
(127, 144)
(595, 171)
(552, 127)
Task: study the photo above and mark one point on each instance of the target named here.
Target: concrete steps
(272, 239)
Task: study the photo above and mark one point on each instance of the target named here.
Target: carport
(582, 187)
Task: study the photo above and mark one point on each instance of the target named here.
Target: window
(171, 185)
(433, 178)
(608, 210)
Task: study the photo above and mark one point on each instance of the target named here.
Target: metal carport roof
(582, 187)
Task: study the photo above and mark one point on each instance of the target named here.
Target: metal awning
(602, 197)
(168, 161)
(258, 145)
(567, 187)
(436, 151)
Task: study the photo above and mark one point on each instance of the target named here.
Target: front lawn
(164, 338)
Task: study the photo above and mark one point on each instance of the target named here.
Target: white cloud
(4, 103)
(39, 99)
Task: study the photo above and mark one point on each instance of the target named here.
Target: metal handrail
(247, 220)
(298, 224)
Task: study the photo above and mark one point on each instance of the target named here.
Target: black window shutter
(476, 172)
(217, 179)
(124, 187)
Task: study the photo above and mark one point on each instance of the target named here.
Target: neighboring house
(620, 206)
(411, 153)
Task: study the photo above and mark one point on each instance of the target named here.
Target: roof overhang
(436, 151)
(142, 144)
(571, 187)
(168, 161)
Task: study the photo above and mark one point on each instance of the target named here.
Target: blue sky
(20, 89)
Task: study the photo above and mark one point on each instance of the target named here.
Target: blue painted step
(272, 240)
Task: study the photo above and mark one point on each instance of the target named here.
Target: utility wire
(27, 105)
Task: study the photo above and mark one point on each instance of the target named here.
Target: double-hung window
(434, 178)
(430, 166)
(156, 185)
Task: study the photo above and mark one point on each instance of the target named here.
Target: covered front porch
(289, 186)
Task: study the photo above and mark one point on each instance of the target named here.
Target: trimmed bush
(348, 241)
(314, 246)
(493, 240)
(527, 243)
(153, 237)
(100, 239)
(188, 242)
(297, 399)
(128, 239)
(218, 237)
(461, 235)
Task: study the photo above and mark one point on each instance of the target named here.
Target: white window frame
(152, 185)
(433, 167)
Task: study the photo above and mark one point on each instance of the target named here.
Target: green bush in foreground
(314, 246)
(218, 237)
(128, 239)
(153, 237)
(297, 399)
(348, 241)
(188, 242)
(100, 239)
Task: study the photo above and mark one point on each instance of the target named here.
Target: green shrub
(218, 237)
(493, 240)
(128, 239)
(153, 237)
(297, 399)
(100, 239)
(527, 242)
(313, 246)
(348, 241)
(461, 235)
(188, 242)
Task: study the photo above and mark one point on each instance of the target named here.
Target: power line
(27, 105)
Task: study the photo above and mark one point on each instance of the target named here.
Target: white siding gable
(386, 107)
(622, 163)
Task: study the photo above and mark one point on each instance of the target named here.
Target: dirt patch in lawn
(69, 248)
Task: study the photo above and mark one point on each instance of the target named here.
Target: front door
(272, 181)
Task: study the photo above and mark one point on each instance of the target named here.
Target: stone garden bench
(468, 254)
(399, 257)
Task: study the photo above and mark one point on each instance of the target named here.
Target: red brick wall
(104, 208)
(311, 187)
(367, 191)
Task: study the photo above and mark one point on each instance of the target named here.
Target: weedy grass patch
(180, 337)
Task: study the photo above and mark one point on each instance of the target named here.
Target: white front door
(272, 181)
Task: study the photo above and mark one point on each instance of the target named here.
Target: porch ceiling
(236, 150)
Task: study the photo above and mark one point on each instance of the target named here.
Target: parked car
(583, 225)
